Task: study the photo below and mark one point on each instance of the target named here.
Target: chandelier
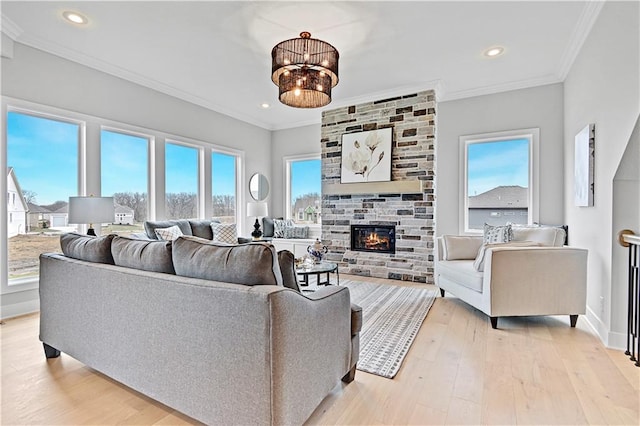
(305, 70)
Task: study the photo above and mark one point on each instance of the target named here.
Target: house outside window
(124, 170)
(42, 155)
(303, 189)
(499, 185)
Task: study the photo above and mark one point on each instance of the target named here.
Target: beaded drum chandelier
(305, 70)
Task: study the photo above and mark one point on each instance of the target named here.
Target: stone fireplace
(373, 238)
(405, 204)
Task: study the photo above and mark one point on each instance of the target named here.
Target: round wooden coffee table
(318, 269)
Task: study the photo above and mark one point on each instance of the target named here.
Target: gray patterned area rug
(391, 316)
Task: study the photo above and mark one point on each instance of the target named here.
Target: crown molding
(10, 28)
(580, 33)
(503, 87)
(435, 85)
(107, 68)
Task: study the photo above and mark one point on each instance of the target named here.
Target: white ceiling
(218, 54)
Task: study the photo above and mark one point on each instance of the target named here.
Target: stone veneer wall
(412, 118)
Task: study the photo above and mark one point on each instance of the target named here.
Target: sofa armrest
(311, 347)
(356, 311)
(535, 280)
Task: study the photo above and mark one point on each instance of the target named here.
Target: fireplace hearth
(373, 238)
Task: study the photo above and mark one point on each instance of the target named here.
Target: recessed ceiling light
(492, 52)
(265, 105)
(75, 17)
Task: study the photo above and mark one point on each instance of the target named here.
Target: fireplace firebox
(373, 238)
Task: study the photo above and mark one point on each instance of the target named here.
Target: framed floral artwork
(366, 156)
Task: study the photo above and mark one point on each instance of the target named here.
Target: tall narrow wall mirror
(259, 187)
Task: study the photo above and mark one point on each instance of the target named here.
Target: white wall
(603, 88)
(289, 142)
(35, 76)
(539, 107)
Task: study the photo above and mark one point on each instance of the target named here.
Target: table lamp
(91, 210)
(256, 210)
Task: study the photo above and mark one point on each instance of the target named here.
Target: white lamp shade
(257, 209)
(91, 210)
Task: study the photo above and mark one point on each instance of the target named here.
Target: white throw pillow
(169, 234)
(478, 264)
(457, 247)
(224, 233)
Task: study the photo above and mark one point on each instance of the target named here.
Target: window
(303, 180)
(499, 182)
(124, 176)
(48, 160)
(42, 159)
(181, 181)
(223, 187)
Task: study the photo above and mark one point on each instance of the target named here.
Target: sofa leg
(50, 351)
(494, 322)
(348, 378)
(573, 319)
(441, 292)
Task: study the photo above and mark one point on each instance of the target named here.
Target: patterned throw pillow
(296, 232)
(169, 234)
(497, 234)
(279, 225)
(224, 233)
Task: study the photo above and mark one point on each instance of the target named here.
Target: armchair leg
(494, 322)
(573, 319)
(441, 292)
(348, 378)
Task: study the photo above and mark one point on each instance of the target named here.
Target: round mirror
(258, 187)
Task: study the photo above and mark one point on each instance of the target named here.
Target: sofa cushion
(497, 234)
(151, 226)
(224, 233)
(87, 247)
(168, 234)
(267, 226)
(202, 228)
(147, 255)
(478, 263)
(548, 236)
(461, 272)
(287, 263)
(249, 264)
(459, 247)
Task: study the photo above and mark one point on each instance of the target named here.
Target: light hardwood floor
(534, 370)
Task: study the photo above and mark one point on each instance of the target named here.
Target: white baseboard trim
(596, 324)
(610, 339)
(19, 308)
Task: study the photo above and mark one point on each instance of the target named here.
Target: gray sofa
(201, 340)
